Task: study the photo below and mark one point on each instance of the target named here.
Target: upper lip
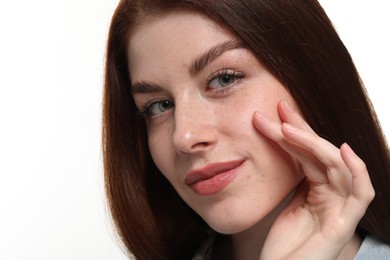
(211, 170)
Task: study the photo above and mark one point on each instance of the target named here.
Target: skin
(195, 118)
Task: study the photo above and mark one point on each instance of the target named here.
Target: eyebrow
(201, 62)
(196, 66)
(144, 87)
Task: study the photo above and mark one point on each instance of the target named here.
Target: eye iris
(226, 80)
(164, 105)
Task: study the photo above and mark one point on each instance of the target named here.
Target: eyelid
(145, 109)
(238, 74)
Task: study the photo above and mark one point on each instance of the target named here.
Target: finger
(362, 190)
(267, 127)
(361, 180)
(319, 159)
(312, 167)
(329, 155)
(291, 116)
(326, 152)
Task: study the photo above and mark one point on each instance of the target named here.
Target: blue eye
(156, 108)
(224, 78)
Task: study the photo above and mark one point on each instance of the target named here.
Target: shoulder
(373, 248)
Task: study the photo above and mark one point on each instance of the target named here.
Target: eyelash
(224, 72)
(145, 110)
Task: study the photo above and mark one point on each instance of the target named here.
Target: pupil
(226, 79)
(165, 105)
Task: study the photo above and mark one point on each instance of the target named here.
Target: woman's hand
(323, 214)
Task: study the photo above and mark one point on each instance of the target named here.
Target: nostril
(200, 145)
(197, 141)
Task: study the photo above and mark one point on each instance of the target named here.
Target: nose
(195, 128)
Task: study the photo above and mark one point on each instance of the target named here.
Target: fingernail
(287, 105)
(260, 116)
(349, 149)
(289, 127)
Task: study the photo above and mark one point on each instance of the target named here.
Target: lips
(213, 177)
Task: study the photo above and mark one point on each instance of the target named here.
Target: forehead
(172, 38)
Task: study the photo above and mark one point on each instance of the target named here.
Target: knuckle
(361, 166)
(368, 196)
(371, 194)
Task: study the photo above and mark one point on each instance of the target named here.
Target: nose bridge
(195, 128)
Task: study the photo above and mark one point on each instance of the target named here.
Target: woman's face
(198, 87)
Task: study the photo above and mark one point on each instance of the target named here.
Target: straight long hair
(298, 44)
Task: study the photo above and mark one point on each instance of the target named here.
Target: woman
(228, 128)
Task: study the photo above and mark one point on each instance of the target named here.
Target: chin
(230, 230)
(228, 224)
(233, 218)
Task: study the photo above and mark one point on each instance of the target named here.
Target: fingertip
(289, 127)
(347, 149)
(362, 184)
(258, 120)
(266, 126)
(257, 114)
(284, 110)
(258, 117)
(348, 155)
(291, 132)
(285, 105)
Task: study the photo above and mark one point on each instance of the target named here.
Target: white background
(51, 70)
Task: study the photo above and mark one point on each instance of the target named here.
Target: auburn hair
(298, 44)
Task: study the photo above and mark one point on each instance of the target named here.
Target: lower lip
(214, 184)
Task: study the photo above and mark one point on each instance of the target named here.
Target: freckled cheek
(237, 123)
(161, 151)
(236, 115)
